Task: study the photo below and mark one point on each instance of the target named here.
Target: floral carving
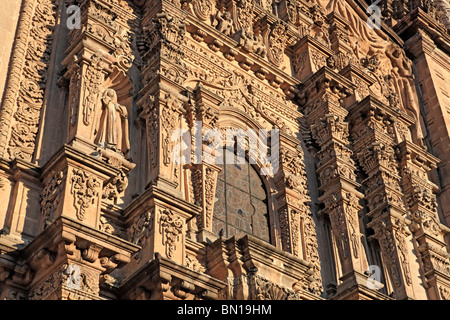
(283, 217)
(245, 12)
(400, 235)
(388, 247)
(141, 227)
(50, 196)
(445, 293)
(169, 120)
(171, 227)
(92, 80)
(202, 8)
(106, 225)
(115, 186)
(22, 103)
(193, 263)
(47, 289)
(84, 190)
(277, 43)
(266, 290)
(210, 187)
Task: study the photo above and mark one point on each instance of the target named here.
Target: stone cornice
(162, 269)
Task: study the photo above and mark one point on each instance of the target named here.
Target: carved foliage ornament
(245, 12)
(31, 89)
(115, 186)
(92, 79)
(209, 184)
(169, 118)
(171, 227)
(445, 293)
(141, 227)
(277, 43)
(84, 190)
(203, 8)
(50, 196)
(265, 290)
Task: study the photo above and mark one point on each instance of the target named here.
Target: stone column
(428, 232)
(373, 130)
(297, 226)
(204, 170)
(323, 95)
(92, 167)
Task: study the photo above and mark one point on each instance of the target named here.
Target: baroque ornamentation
(24, 99)
(203, 8)
(170, 116)
(112, 127)
(209, 185)
(171, 227)
(193, 263)
(113, 188)
(223, 22)
(50, 197)
(141, 227)
(92, 80)
(277, 43)
(84, 190)
(445, 293)
(265, 290)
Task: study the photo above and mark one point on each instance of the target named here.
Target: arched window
(241, 202)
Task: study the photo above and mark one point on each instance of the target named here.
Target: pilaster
(374, 132)
(323, 96)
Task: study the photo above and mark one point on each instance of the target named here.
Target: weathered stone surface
(98, 97)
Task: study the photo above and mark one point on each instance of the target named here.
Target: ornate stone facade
(95, 204)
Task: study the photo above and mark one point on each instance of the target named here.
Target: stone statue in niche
(112, 126)
(403, 82)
